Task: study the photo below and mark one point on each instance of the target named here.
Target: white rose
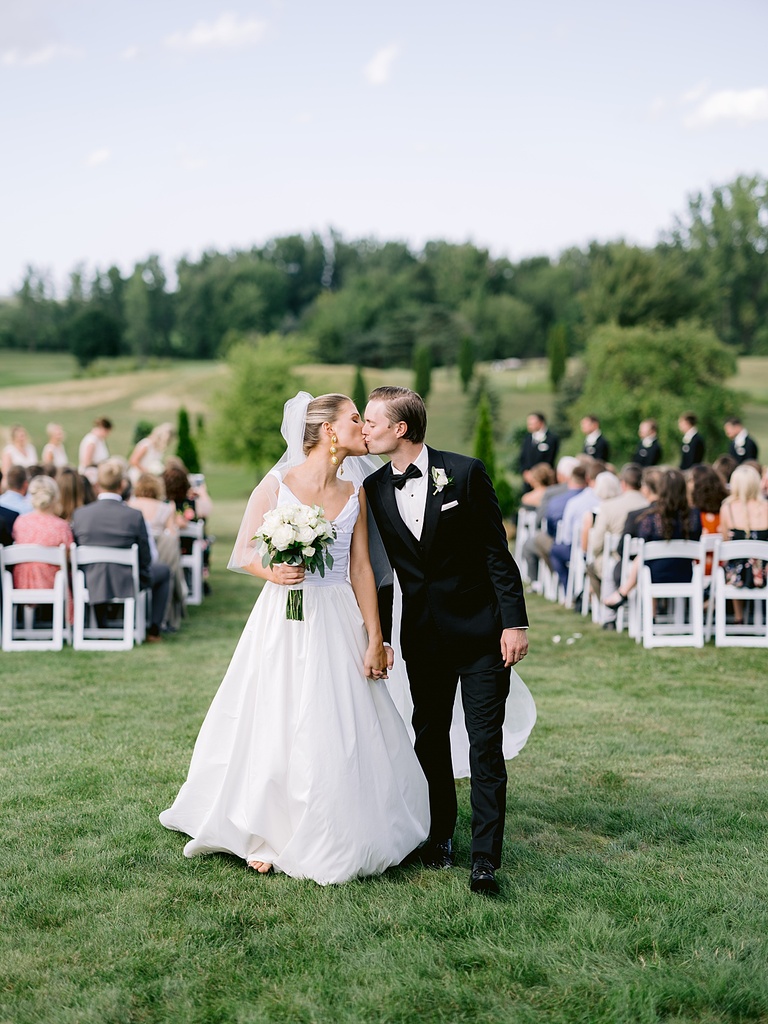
(301, 516)
(283, 536)
(305, 535)
(307, 552)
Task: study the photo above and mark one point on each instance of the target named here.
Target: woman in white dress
(303, 764)
(54, 453)
(20, 451)
(149, 453)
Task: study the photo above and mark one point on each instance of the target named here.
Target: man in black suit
(743, 448)
(648, 452)
(109, 522)
(594, 442)
(539, 445)
(692, 448)
(463, 616)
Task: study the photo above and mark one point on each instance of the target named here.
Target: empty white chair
(631, 549)
(752, 634)
(192, 563)
(683, 626)
(32, 635)
(87, 635)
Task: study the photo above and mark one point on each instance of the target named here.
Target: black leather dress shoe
(483, 877)
(439, 855)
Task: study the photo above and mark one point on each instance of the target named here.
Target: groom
(463, 615)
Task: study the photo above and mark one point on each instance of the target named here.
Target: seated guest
(160, 520)
(20, 451)
(724, 465)
(15, 496)
(530, 553)
(584, 503)
(54, 453)
(74, 490)
(670, 518)
(706, 492)
(109, 522)
(538, 478)
(40, 526)
(612, 515)
(744, 516)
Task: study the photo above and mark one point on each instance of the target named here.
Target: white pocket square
(451, 504)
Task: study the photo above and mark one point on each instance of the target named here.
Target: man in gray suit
(109, 522)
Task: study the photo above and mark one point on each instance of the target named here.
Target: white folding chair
(683, 626)
(631, 549)
(192, 563)
(34, 635)
(710, 542)
(600, 613)
(87, 635)
(752, 634)
(526, 527)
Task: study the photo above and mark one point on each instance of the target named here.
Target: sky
(173, 126)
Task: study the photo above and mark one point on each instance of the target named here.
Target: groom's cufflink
(451, 504)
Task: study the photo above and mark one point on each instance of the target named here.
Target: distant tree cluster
(373, 303)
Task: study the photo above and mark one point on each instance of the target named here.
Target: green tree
(249, 411)
(483, 441)
(641, 373)
(557, 350)
(186, 449)
(422, 371)
(359, 391)
(93, 334)
(466, 361)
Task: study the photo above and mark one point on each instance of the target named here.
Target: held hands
(514, 646)
(287, 575)
(377, 660)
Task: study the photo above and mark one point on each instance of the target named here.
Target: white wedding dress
(302, 761)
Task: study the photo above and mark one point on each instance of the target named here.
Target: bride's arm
(247, 553)
(364, 586)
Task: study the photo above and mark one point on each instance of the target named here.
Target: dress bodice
(345, 524)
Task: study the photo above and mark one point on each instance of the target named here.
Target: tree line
(380, 303)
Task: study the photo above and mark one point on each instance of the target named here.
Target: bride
(303, 764)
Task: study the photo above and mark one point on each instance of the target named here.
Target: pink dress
(38, 528)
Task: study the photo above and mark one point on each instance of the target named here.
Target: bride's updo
(323, 409)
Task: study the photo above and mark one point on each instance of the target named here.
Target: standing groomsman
(648, 452)
(743, 447)
(539, 445)
(692, 448)
(594, 442)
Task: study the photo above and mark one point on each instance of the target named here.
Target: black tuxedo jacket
(745, 452)
(460, 584)
(532, 452)
(599, 449)
(692, 452)
(650, 456)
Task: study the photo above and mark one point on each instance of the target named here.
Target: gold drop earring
(334, 457)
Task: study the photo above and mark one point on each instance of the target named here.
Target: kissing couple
(303, 764)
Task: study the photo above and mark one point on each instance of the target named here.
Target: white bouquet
(297, 535)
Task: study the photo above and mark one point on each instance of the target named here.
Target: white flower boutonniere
(440, 479)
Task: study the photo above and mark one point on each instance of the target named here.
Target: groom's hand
(514, 646)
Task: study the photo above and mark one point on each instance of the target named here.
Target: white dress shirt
(411, 498)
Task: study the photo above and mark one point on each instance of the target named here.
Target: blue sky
(173, 126)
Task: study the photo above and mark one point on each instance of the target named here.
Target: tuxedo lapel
(389, 502)
(434, 501)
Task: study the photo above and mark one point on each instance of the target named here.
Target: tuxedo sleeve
(488, 535)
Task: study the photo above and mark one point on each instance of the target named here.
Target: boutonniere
(440, 479)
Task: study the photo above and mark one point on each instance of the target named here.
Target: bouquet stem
(294, 605)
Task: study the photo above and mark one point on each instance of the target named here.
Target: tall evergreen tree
(359, 391)
(483, 448)
(186, 449)
(466, 361)
(557, 350)
(422, 371)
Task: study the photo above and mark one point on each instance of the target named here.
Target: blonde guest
(19, 452)
(54, 453)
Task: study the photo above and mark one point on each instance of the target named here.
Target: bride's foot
(262, 866)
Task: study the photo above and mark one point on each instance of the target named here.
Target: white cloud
(743, 107)
(28, 58)
(379, 68)
(226, 33)
(694, 94)
(130, 53)
(98, 156)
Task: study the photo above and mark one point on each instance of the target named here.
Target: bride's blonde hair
(323, 409)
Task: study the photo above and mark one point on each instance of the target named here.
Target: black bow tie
(409, 474)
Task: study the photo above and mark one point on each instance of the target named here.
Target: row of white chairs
(689, 620)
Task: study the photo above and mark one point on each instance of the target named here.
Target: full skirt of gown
(302, 761)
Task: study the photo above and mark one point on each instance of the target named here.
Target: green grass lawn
(635, 879)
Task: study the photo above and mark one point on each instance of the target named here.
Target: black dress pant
(484, 690)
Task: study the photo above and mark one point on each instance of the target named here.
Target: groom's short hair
(403, 405)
